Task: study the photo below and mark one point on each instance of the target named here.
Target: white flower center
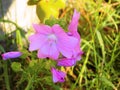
(52, 37)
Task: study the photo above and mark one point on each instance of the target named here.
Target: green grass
(99, 68)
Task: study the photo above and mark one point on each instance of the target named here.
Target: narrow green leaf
(19, 38)
(101, 43)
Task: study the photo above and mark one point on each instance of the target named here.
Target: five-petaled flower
(50, 41)
(57, 75)
(10, 55)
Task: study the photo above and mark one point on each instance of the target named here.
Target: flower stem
(6, 75)
(29, 83)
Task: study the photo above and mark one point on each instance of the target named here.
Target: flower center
(52, 37)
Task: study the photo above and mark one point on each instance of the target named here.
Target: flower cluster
(53, 41)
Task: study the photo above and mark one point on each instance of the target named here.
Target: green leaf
(49, 8)
(16, 66)
(101, 43)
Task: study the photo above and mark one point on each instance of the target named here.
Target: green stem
(8, 21)
(6, 75)
(29, 83)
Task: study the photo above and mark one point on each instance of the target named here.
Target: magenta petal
(57, 75)
(41, 55)
(12, 54)
(74, 22)
(66, 62)
(76, 35)
(36, 41)
(73, 25)
(50, 50)
(65, 43)
(77, 53)
(42, 29)
(59, 32)
(78, 56)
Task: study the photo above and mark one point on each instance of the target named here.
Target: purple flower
(50, 41)
(57, 75)
(77, 52)
(68, 62)
(12, 54)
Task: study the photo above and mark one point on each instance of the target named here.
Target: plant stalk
(29, 83)
(6, 75)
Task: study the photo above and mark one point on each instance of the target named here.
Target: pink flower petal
(12, 54)
(74, 22)
(50, 50)
(65, 43)
(73, 25)
(58, 76)
(36, 41)
(68, 62)
(75, 34)
(42, 29)
(77, 53)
